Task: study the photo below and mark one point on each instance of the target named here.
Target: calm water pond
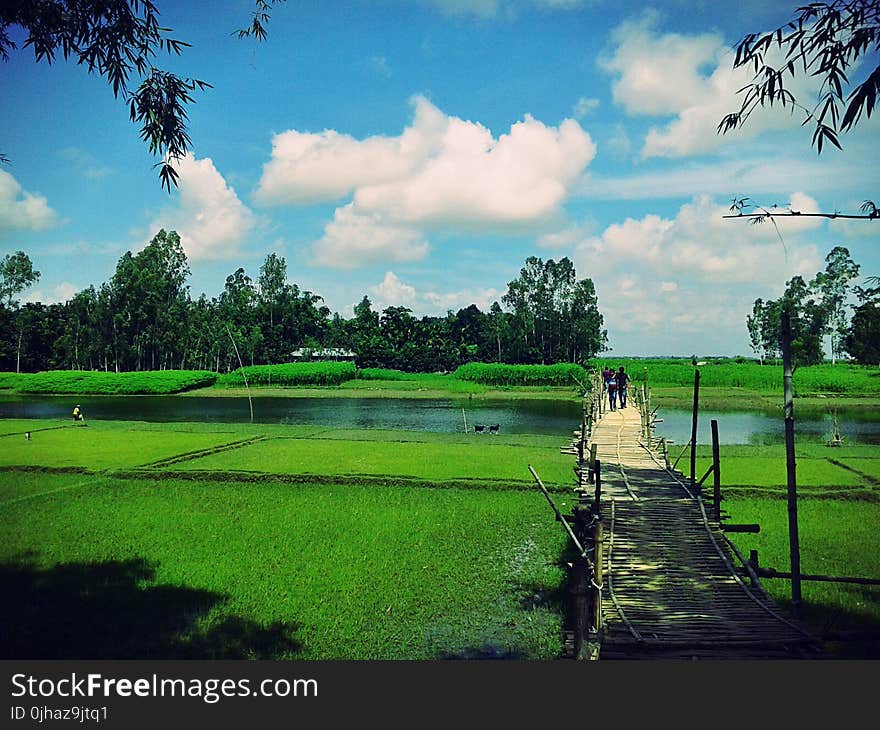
(856, 426)
(440, 415)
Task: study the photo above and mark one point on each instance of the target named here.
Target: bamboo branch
(797, 214)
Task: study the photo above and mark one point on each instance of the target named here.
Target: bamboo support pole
(716, 471)
(694, 428)
(791, 477)
(599, 578)
(773, 573)
(581, 549)
(675, 464)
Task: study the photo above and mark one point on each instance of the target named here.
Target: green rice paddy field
(147, 540)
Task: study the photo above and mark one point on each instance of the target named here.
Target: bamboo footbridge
(653, 575)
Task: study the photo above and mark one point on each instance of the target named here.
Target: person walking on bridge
(612, 390)
(622, 386)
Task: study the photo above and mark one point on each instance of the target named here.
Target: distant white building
(325, 353)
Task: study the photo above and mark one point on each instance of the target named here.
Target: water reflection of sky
(758, 428)
(438, 415)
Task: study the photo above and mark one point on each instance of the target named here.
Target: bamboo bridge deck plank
(670, 589)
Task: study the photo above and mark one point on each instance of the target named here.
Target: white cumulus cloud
(439, 303)
(699, 243)
(210, 218)
(60, 294)
(475, 180)
(441, 172)
(690, 78)
(354, 239)
(21, 210)
(697, 273)
(392, 292)
(309, 168)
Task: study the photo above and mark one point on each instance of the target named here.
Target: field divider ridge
(245, 476)
(190, 455)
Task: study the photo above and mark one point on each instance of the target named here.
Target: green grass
(290, 374)
(837, 538)
(320, 543)
(187, 569)
(381, 379)
(819, 468)
(496, 463)
(840, 379)
(561, 374)
(150, 565)
(85, 382)
(107, 448)
(499, 461)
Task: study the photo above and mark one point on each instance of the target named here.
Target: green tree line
(818, 309)
(144, 318)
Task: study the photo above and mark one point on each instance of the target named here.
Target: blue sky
(417, 151)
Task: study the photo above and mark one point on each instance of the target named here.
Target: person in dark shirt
(622, 386)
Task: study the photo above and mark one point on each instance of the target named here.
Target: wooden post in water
(694, 428)
(790, 466)
(716, 471)
(597, 510)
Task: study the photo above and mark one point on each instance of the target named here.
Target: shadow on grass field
(109, 610)
(846, 630)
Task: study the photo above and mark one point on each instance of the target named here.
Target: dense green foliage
(83, 382)
(815, 309)
(298, 373)
(556, 314)
(383, 374)
(384, 379)
(863, 339)
(498, 374)
(145, 319)
(16, 274)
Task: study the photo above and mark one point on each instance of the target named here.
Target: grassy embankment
(730, 385)
(724, 384)
(318, 379)
(189, 540)
(86, 382)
